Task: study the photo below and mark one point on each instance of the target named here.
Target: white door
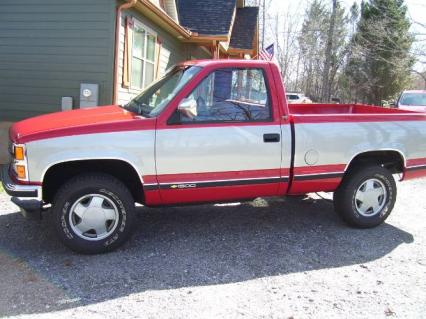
(227, 144)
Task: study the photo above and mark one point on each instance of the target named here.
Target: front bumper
(27, 197)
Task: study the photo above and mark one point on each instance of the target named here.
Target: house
(49, 48)
(57, 55)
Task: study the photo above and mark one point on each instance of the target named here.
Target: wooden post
(159, 46)
(215, 50)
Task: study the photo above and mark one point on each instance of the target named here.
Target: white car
(413, 100)
(297, 98)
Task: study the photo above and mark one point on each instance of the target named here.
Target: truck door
(223, 142)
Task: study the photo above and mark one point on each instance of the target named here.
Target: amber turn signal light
(19, 153)
(20, 171)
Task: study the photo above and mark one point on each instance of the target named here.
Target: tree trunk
(325, 94)
(263, 24)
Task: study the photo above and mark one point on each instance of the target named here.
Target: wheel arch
(392, 159)
(59, 172)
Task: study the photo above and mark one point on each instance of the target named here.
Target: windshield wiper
(139, 108)
(131, 107)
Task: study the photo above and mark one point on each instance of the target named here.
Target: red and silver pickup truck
(208, 131)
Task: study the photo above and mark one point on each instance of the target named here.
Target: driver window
(230, 95)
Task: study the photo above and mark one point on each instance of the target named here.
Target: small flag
(267, 54)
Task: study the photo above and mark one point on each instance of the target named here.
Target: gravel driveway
(275, 258)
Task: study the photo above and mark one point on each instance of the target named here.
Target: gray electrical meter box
(89, 95)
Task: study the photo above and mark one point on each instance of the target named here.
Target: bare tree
(284, 31)
(325, 94)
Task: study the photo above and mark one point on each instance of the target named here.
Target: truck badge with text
(183, 186)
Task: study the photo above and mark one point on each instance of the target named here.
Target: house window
(143, 56)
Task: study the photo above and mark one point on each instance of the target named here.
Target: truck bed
(335, 109)
(334, 113)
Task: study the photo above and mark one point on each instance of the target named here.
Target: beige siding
(172, 51)
(170, 6)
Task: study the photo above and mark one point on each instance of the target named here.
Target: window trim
(172, 119)
(148, 31)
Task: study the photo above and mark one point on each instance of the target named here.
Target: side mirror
(392, 104)
(188, 107)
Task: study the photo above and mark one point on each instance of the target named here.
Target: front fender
(134, 147)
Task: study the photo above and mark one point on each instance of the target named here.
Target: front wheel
(94, 213)
(366, 196)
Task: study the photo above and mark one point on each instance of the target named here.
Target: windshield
(413, 99)
(155, 98)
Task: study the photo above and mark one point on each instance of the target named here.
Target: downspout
(126, 5)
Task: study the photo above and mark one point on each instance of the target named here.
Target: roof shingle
(244, 29)
(210, 17)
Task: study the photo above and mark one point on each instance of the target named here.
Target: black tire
(107, 187)
(345, 202)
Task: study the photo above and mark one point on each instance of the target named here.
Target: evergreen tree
(380, 61)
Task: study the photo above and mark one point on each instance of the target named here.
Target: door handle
(271, 138)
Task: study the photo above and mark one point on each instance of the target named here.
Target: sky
(416, 11)
(416, 8)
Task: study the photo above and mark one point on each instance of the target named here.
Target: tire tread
(94, 180)
(343, 195)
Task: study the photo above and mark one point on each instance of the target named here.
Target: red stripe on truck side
(315, 172)
(324, 178)
(414, 173)
(318, 185)
(416, 161)
(416, 168)
(217, 194)
(319, 169)
(214, 176)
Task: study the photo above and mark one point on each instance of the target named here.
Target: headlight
(19, 152)
(21, 171)
(19, 161)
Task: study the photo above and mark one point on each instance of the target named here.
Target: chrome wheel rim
(370, 197)
(93, 217)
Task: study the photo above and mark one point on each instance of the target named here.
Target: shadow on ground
(188, 246)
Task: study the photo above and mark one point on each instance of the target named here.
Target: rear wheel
(366, 196)
(94, 213)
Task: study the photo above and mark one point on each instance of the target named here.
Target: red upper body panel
(114, 118)
(91, 120)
